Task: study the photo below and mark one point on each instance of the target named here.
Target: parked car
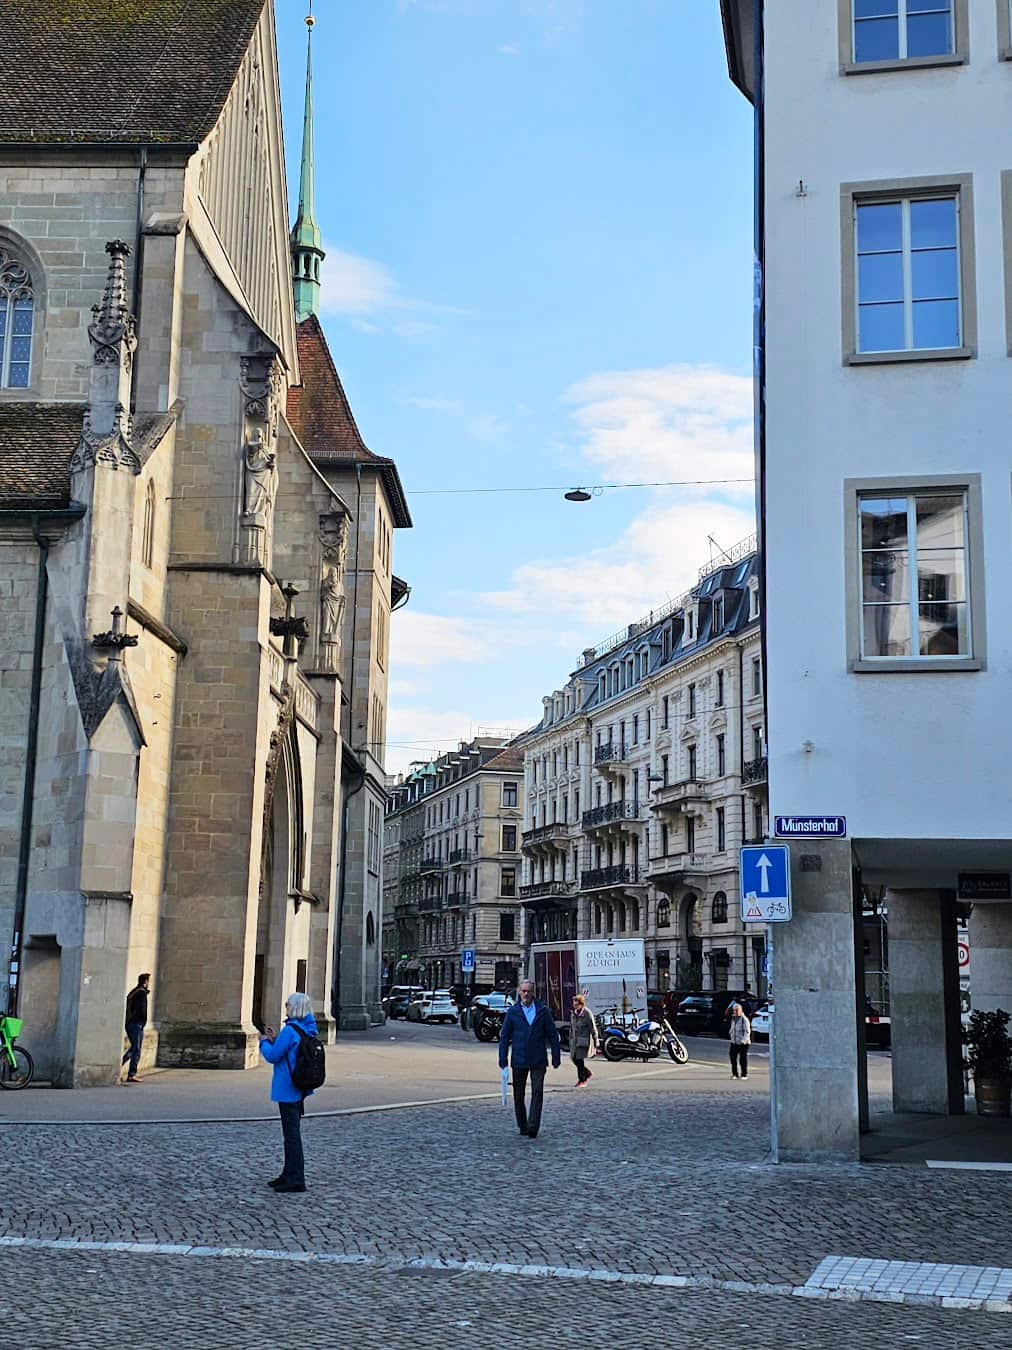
(877, 1025)
(878, 1029)
(708, 1012)
(433, 1006)
(664, 1003)
(396, 1002)
(762, 1022)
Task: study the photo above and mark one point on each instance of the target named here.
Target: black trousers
(582, 1072)
(739, 1060)
(528, 1122)
(294, 1171)
(135, 1034)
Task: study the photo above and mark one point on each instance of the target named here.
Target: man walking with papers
(530, 1030)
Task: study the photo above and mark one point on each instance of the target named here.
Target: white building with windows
(643, 778)
(885, 242)
(459, 821)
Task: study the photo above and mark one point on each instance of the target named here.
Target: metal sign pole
(770, 984)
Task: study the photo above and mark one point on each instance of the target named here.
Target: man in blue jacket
(530, 1029)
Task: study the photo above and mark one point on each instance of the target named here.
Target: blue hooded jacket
(281, 1053)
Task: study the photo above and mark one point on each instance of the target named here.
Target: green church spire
(307, 254)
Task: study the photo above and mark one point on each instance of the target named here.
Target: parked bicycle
(16, 1064)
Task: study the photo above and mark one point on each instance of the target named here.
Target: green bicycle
(16, 1064)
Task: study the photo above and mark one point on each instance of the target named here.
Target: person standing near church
(529, 1031)
(136, 1021)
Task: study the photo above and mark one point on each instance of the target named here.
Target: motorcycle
(641, 1040)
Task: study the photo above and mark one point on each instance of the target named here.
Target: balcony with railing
(454, 899)
(548, 890)
(611, 813)
(430, 865)
(601, 878)
(753, 771)
(430, 904)
(680, 796)
(546, 836)
(612, 755)
(458, 856)
(673, 869)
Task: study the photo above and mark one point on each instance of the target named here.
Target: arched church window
(719, 908)
(148, 532)
(17, 322)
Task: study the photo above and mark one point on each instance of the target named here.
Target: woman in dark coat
(582, 1037)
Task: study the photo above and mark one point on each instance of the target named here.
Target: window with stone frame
(718, 912)
(17, 323)
(148, 531)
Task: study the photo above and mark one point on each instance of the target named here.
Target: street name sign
(810, 827)
(467, 959)
(765, 871)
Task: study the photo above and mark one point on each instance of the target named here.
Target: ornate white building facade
(643, 778)
(459, 820)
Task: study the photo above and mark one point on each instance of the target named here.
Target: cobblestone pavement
(85, 1301)
(643, 1177)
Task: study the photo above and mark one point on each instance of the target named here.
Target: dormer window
(718, 615)
(17, 323)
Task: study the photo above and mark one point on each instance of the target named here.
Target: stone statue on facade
(260, 479)
(334, 559)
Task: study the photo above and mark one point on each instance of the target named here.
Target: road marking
(971, 1166)
(992, 1293)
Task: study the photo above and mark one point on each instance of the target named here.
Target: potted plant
(989, 1056)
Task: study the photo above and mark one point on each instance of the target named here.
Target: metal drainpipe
(142, 169)
(759, 329)
(741, 771)
(31, 752)
(339, 936)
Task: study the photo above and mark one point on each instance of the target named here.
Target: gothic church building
(195, 554)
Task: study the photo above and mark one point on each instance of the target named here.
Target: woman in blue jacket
(280, 1051)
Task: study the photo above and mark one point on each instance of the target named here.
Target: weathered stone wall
(65, 206)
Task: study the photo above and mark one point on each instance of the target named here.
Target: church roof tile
(321, 417)
(147, 71)
(37, 441)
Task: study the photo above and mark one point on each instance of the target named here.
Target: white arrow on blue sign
(765, 883)
(467, 959)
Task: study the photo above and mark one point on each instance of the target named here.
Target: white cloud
(509, 49)
(419, 639)
(671, 422)
(350, 284)
(656, 558)
(423, 733)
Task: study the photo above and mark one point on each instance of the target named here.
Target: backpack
(309, 1069)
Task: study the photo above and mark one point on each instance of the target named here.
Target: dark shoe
(286, 1188)
(524, 1133)
(532, 1134)
(276, 1182)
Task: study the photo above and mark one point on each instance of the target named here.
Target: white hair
(299, 1005)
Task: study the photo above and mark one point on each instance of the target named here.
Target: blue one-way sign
(765, 883)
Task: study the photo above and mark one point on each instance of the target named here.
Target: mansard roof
(146, 71)
(321, 417)
(37, 441)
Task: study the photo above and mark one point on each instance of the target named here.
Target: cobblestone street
(657, 1175)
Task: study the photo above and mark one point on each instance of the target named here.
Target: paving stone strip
(967, 1288)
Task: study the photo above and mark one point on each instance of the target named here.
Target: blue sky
(538, 222)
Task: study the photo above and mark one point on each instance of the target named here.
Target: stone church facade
(195, 556)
